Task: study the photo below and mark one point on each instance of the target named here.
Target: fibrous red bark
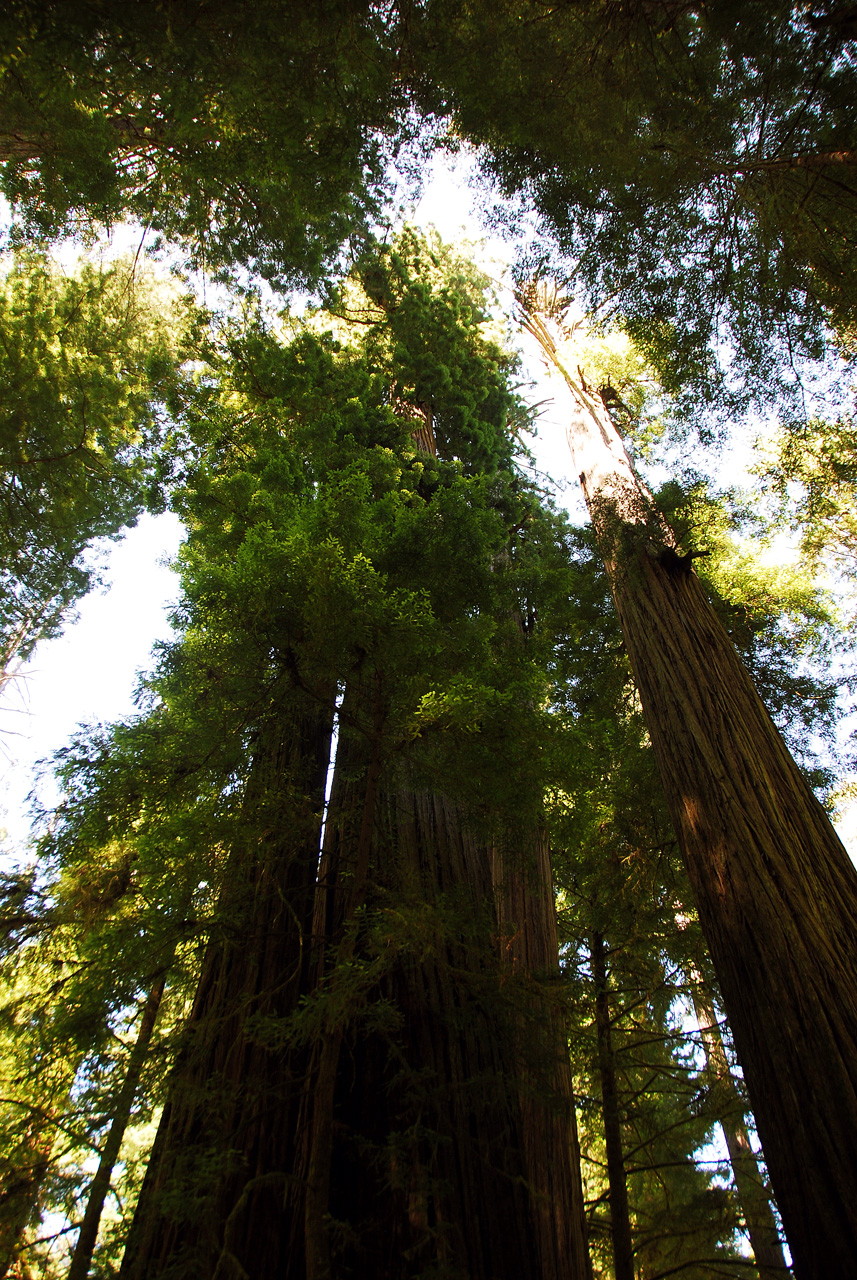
(774, 887)
(446, 1152)
(213, 1200)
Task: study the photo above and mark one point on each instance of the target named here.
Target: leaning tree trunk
(749, 1183)
(774, 887)
(620, 1217)
(84, 1248)
(212, 1202)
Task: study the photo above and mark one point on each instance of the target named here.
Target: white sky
(89, 673)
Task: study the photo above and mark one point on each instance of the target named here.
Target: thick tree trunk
(523, 892)
(620, 1218)
(440, 1158)
(20, 1192)
(420, 1145)
(325, 1068)
(775, 890)
(100, 1185)
(428, 1167)
(212, 1202)
(749, 1183)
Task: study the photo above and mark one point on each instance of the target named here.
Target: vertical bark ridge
(212, 1201)
(523, 888)
(320, 1137)
(777, 899)
(774, 887)
(425, 1171)
(432, 1142)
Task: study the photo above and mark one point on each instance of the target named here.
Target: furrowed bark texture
(212, 1204)
(523, 893)
(338, 925)
(433, 1147)
(749, 1183)
(777, 900)
(620, 1218)
(775, 890)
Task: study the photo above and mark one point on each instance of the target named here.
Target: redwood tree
(775, 889)
(373, 1075)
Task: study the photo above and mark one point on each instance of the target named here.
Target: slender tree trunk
(100, 1185)
(24, 1170)
(213, 1201)
(620, 1218)
(775, 889)
(752, 1192)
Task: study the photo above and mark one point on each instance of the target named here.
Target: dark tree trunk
(437, 1160)
(342, 924)
(523, 893)
(87, 1236)
(21, 1189)
(775, 889)
(213, 1199)
(620, 1218)
(394, 1129)
(749, 1183)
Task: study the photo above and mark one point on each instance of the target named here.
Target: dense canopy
(460, 880)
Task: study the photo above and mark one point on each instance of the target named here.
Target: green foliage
(809, 469)
(783, 624)
(617, 872)
(361, 536)
(86, 363)
(464, 633)
(96, 934)
(246, 132)
(317, 519)
(693, 165)
(325, 551)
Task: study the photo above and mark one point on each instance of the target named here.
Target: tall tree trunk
(320, 1133)
(100, 1185)
(212, 1202)
(752, 1192)
(620, 1218)
(775, 889)
(425, 1148)
(433, 1146)
(523, 892)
